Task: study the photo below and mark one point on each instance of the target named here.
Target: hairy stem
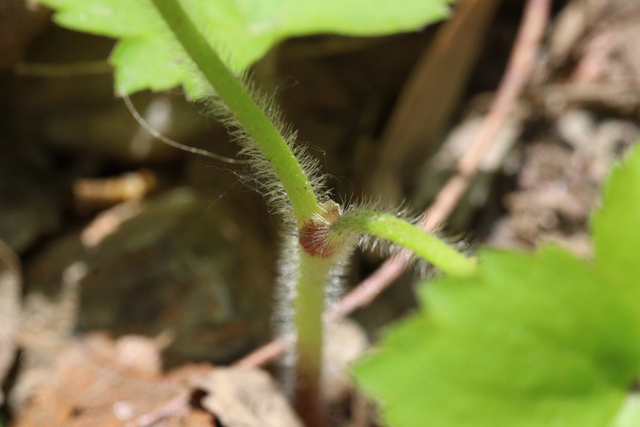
(322, 228)
(264, 133)
(405, 234)
(313, 270)
(308, 307)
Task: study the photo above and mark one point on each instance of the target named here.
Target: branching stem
(322, 229)
(313, 270)
(405, 234)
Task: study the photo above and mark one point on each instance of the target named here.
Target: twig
(525, 49)
(441, 73)
(264, 354)
(178, 406)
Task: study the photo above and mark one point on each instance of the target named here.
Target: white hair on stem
(260, 173)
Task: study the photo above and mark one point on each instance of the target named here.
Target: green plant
(540, 339)
(167, 37)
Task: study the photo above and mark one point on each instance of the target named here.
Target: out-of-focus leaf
(531, 340)
(147, 55)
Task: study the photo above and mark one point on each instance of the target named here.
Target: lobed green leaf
(147, 55)
(616, 232)
(540, 339)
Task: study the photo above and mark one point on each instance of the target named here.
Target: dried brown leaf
(100, 382)
(242, 397)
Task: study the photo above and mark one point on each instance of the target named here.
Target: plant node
(312, 235)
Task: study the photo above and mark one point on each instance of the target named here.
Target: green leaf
(629, 416)
(540, 339)
(148, 56)
(616, 230)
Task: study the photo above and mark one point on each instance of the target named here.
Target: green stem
(313, 270)
(253, 119)
(308, 307)
(405, 234)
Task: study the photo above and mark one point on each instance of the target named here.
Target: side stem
(405, 234)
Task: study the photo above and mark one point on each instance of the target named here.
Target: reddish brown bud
(312, 238)
(313, 235)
